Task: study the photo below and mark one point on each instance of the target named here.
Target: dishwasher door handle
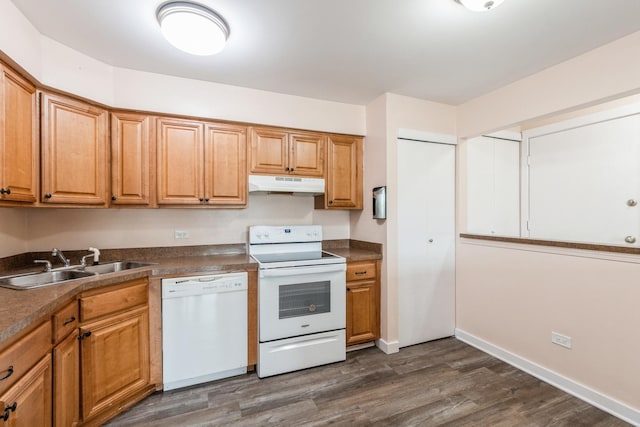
(298, 271)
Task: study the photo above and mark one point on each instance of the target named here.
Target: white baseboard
(388, 347)
(595, 398)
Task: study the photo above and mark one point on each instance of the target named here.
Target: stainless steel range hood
(286, 184)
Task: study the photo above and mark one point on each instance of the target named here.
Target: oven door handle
(298, 271)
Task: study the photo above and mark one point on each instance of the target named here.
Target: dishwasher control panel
(194, 285)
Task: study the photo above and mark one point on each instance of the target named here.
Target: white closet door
(580, 182)
(493, 186)
(426, 241)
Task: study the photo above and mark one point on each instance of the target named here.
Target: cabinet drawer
(123, 297)
(361, 270)
(16, 360)
(65, 320)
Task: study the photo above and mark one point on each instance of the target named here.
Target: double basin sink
(36, 280)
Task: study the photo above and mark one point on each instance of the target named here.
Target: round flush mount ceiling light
(192, 28)
(480, 5)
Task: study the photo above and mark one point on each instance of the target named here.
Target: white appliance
(301, 299)
(204, 328)
(426, 241)
(286, 184)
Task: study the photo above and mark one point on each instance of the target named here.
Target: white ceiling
(348, 50)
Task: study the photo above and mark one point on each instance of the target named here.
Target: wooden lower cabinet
(114, 350)
(28, 402)
(66, 382)
(363, 302)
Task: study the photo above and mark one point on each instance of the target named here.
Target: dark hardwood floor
(444, 382)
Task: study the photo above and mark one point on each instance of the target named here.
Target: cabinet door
(114, 360)
(306, 154)
(74, 151)
(362, 312)
(130, 159)
(225, 165)
(344, 173)
(269, 152)
(180, 161)
(66, 382)
(19, 152)
(29, 401)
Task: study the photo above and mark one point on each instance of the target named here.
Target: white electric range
(301, 299)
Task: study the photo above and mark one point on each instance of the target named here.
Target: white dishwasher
(204, 328)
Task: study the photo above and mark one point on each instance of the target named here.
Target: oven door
(297, 301)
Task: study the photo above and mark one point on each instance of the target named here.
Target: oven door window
(304, 299)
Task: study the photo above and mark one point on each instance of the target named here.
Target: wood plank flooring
(440, 383)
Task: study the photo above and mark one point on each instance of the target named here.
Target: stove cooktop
(271, 258)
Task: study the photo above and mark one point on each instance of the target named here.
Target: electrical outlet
(560, 339)
(181, 234)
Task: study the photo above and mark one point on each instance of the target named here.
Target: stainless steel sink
(36, 280)
(112, 267)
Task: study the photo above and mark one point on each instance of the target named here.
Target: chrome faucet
(57, 252)
(95, 253)
(47, 263)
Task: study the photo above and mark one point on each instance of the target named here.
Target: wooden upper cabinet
(279, 152)
(344, 174)
(307, 154)
(19, 153)
(130, 159)
(201, 163)
(179, 152)
(74, 151)
(269, 151)
(225, 153)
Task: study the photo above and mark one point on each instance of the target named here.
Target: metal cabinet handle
(8, 374)
(360, 273)
(47, 196)
(632, 202)
(630, 239)
(84, 335)
(201, 199)
(206, 199)
(8, 410)
(114, 198)
(330, 202)
(6, 191)
(71, 320)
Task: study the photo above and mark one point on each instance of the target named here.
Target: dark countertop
(20, 309)
(355, 254)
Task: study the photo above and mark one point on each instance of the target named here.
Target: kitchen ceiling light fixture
(480, 5)
(192, 28)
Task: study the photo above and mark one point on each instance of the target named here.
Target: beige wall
(362, 225)
(125, 228)
(13, 231)
(606, 73)
(512, 297)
